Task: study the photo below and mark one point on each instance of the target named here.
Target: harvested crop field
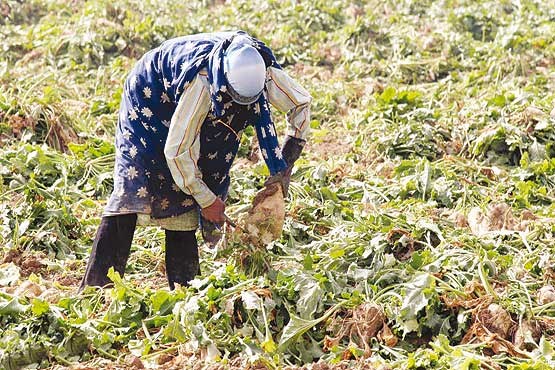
(418, 229)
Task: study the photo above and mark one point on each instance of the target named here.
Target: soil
(328, 148)
(32, 263)
(28, 262)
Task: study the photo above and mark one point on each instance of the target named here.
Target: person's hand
(215, 212)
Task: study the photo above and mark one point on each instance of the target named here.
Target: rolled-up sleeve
(183, 143)
(288, 96)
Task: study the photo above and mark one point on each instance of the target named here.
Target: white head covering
(245, 71)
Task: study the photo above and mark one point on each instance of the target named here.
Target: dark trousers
(112, 245)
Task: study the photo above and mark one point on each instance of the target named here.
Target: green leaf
(415, 300)
(337, 253)
(213, 293)
(269, 345)
(408, 96)
(416, 260)
(298, 326)
(12, 307)
(328, 194)
(307, 262)
(498, 101)
(39, 307)
(388, 94)
(162, 302)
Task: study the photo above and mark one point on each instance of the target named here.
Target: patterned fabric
(263, 121)
(219, 143)
(142, 180)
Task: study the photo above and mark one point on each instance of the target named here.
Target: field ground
(420, 218)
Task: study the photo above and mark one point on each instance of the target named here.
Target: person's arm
(183, 143)
(288, 96)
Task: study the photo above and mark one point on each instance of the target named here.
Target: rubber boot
(182, 261)
(110, 249)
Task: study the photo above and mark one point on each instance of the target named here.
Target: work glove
(291, 151)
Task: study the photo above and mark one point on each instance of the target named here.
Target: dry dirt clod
(459, 219)
(499, 216)
(546, 294)
(164, 358)
(29, 263)
(527, 215)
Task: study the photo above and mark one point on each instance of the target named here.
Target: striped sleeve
(288, 96)
(183, 143)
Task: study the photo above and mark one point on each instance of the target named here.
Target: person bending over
(184, 107)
